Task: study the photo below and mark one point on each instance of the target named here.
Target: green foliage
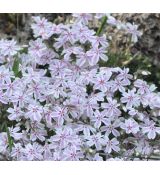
(10, 140)
(104, 19)
(15, 68)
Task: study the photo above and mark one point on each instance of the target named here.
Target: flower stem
(104, 19)
(10, 141)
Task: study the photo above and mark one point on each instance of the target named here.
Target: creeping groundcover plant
(59, 102)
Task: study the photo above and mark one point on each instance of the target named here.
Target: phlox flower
(142, 86)
(95, 139)
(36, 48)
(151, 130)
(73, 154)
(41, 27)
(34, 112)
(110, 127)
(33, 152)
(111, 108)
(111, 145)
(64, 105)
(9, 47)
(3, 142)
(130, 126)
(96, 54)
(101, 81)
(98, 118)
(17, 151)
(15, 113)
(132, 29)
(83, 18)
(131, 98)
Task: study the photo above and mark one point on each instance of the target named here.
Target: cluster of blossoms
(63, 106)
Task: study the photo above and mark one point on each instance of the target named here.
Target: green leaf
(10, 141)
(2, 126)
(15, 68)
(104, 19)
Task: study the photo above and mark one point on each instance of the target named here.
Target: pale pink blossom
(111, 145)
(130, 126)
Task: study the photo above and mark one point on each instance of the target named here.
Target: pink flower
(3, 142)
(71, 50)
(125, 76)
(99, 40)
(89, 107)
(3, 97)
(41, 27)
(96, 54)
(58, 67)
(62, 137)
(10, 87)
(59, 114)
(48, 114)
(98, 118)
(36, 48)
(68, 35)
(72, 154)
(130, 98)
(112, 21)
(132, 29)
(151, 130)
(83, 33)
(111, 144)
(97, 157)
(17, 151)
(37, 133)
(15, 132)
(95, 139)
(111, 108)
(86, 129)
(15, 113)
(64, 105)
(19, 98)
(130, 126)
(5, 75)
(82, 17)
(100, 15)
(110, 127)
(33, 152)
(142, 86)
(101, 81)
(9, 47)
(55, 29)
(34, 112)
(30, 74)
(35, 89)
(98, 96)
(84, 58)
(47, 57)
(118, 84)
